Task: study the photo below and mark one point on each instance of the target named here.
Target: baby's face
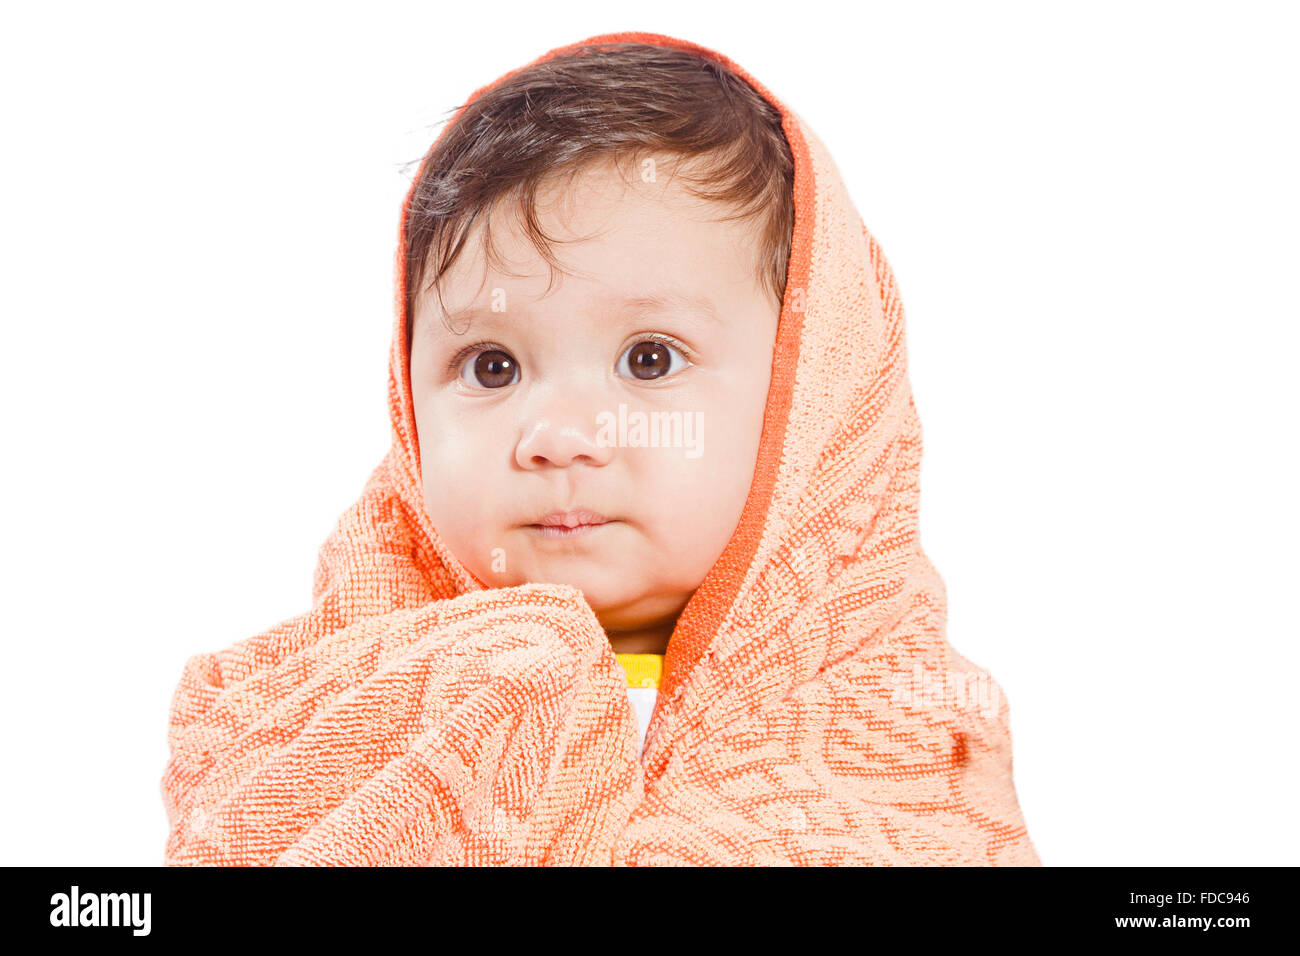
(658, 330)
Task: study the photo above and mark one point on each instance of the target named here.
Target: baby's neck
(649, 640)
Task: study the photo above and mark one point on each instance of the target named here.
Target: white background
(1091, 211)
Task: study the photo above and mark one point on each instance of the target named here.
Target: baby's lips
(571, 518)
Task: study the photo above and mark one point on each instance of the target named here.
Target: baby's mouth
(559, 531)
(574, 523)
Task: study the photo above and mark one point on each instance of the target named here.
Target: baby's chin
(620, 598)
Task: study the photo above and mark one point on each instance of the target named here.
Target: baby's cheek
(692, 505)
(455, 514)
(467, 543)
(719, 483)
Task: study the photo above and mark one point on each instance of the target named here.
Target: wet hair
(616, 103)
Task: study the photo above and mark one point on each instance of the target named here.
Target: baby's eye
(650, 359)
(490, 368)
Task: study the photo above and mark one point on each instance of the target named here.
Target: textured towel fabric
(811, 711)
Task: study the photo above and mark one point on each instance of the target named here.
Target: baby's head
(596, 258)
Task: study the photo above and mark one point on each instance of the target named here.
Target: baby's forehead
(633, 249)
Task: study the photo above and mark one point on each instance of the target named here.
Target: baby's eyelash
(666, 340)
(461, 357)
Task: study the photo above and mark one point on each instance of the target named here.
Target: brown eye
(650, 359)
(491, 368)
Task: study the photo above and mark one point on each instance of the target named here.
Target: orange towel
(811, 709)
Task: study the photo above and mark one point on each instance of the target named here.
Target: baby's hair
(606, 102)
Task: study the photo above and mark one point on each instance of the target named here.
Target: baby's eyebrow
(670, 300)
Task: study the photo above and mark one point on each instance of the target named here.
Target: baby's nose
(562, 433)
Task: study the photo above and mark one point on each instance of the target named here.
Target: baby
(650, 410)
(662, 310)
